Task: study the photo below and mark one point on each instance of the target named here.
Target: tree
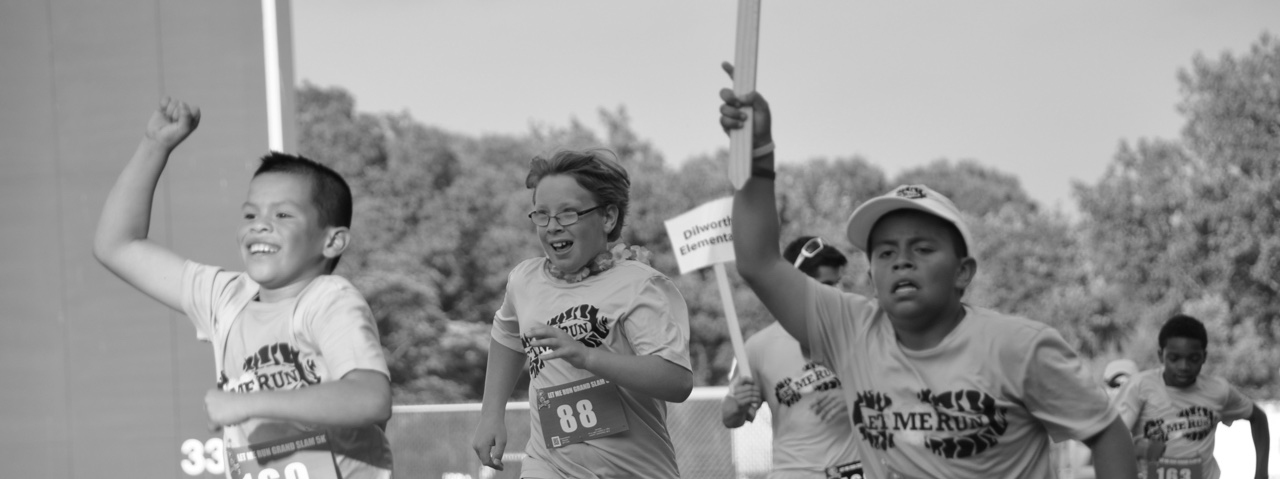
(1192, 225)
(975, 189)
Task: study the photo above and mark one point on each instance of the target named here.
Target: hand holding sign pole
(744, 81)
(703, 237)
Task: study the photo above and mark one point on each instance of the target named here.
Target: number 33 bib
(581, 410)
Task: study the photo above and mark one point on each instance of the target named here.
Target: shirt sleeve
(205, 289)
(506, 324)
(833, 321)
(1238, 406)
(1059, 391)
(347, 335)
(657, 322)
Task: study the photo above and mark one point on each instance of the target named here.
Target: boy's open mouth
(561, 246)
(263, 248)
(905, 286)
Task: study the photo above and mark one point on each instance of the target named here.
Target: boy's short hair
(827, 256)
(907, 197)
(596, 170)
(330, 194)
(1183, 326)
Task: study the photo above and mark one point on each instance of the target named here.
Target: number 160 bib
(581, 410)
(301, 456)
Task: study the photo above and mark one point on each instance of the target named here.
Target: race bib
(300, 456)
(852, 470)
(1175, 469)
(581, 410)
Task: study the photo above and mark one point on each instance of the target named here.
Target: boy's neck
(928, 333)
(286, 292)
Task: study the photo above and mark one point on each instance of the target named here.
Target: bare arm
(1112, 451)
(779, 286)
(121, 242)
(501, 374)
(360, 398)
(1261, 441)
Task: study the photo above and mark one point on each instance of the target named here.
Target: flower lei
(602, 262)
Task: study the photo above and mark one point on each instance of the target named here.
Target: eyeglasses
(564, 218)
(809, 250)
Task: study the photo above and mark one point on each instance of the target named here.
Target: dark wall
(98, 380)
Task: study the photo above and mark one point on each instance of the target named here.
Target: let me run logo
(1193, 424)
(951, 424)
(274, 367)
(583, 322)
(815, 377)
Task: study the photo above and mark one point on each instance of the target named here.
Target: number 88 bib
(581, 410)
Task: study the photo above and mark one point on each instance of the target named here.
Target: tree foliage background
(1186, 224)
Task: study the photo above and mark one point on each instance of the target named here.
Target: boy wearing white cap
(935, 387)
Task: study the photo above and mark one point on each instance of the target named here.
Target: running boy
(935, 387)
(296, 348)
(812, 437)
(1178, 407)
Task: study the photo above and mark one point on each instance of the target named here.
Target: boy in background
(296, 349)
(812, 435)
(1175, 409)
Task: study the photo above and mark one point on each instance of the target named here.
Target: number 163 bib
(1175, 469)
(581, 410)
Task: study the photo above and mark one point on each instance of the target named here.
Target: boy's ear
(610, 218)
(337, 238)
(968, 269)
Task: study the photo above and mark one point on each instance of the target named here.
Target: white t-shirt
(628, 309)
(319, 336)
(804, 446)
(981, 404)
(1184, 418)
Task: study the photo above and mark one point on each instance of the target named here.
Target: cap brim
(864, 218)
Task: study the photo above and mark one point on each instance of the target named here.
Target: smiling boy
(935, 387)
(1177, 407)
(296, 348)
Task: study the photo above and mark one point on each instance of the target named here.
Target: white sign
(703, 236)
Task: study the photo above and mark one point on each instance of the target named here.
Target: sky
(1046, 91)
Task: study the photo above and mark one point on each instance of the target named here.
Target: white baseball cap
(905, 197)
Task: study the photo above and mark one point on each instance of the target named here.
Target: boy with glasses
(812, 435)
(606, 337)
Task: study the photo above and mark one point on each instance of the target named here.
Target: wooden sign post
(703, 237)
(744, 81)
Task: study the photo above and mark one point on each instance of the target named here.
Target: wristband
(765, 149)
(764, 173)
